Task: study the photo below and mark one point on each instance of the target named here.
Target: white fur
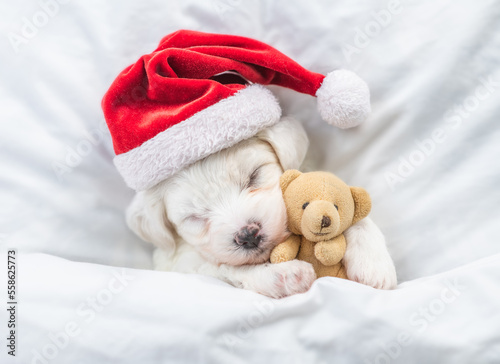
(273, 280)
(193, 216)
(217, 127)
(366, 259)
(343, 99)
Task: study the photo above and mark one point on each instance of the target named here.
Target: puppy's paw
(379, 274)
(367, 260)
(289, 278)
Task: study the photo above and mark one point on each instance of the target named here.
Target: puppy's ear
(287, 178)
(289, 141)
(147, 217)
(362, 203)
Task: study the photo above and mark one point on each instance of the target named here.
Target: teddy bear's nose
(325, 222)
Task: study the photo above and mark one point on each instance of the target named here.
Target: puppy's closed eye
(253, 179)
(195, 219)
(197, 224)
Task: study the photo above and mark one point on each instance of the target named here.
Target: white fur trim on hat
(343, 99)
(217, 127)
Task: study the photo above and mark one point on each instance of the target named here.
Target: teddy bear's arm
(331, 252)
(287, 250)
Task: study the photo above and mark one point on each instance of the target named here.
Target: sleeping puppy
(223, 215)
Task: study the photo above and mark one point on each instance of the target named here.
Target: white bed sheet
(433, 67)
(89, 313)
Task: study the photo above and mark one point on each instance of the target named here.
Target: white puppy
(222, 216)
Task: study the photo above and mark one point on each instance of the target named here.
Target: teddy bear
(320, 207)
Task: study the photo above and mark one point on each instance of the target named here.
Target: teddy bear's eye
(336, 207)
(305, 205)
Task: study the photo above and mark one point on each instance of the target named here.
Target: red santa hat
(199, 93)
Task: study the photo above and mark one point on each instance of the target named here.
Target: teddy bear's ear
(362, 203)
(288, 177)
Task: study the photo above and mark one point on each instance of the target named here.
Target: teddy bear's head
(320, 206)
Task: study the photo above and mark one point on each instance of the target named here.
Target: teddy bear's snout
(320, 220)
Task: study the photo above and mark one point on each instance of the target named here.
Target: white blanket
(428, 155)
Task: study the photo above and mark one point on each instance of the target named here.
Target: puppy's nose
(325, 222)
(249, 237)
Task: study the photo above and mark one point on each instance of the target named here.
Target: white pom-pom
(343, 99)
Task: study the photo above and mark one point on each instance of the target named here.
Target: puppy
(223, 215)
